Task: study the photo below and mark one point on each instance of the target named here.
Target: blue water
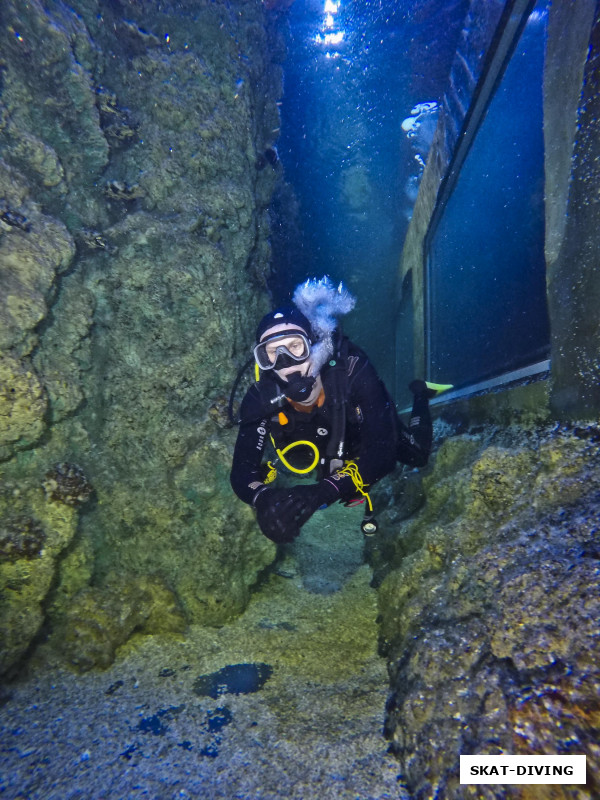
(487, 272)
(352, 169)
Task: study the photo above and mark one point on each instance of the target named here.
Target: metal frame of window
(517, 377)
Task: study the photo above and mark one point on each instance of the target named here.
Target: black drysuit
(374, 436)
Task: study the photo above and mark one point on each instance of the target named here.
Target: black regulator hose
(234, 389)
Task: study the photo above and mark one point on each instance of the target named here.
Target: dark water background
(351, 166)
(353, 170)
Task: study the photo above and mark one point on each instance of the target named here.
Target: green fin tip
(438, 388)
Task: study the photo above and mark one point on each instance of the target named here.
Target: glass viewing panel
(486, 302)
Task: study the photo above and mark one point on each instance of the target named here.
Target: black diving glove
(273, 515)
(281, 513)
(307, 498)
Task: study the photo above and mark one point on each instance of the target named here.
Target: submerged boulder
(490, 623)
(101, 619)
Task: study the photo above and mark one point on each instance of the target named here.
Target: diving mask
(285, 349)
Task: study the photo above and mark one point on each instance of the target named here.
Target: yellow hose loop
(256, 372)
(287, 465)
(351, 469)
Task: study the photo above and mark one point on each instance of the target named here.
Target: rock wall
(133, 257)
(489, 607)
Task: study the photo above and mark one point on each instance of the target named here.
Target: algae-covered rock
(20, 537)
(75, 573)
(33, 533)
(170, 307)
(441, 493)
(66, 483)
(32, 254)
(65, 348)
(22, 406)
(560, 479)
(500, 478)
(100, 620)
(205, 545)
(138, 132)
(547, 618)
(38, 158)
(218, 581)
(490, 625)
(49, 94)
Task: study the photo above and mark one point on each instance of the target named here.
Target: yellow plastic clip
(271, 474)
(283, 420)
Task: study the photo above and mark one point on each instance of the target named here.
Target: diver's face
(294, 344)
(297, 347)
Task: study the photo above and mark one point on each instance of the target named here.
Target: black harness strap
(234, 389)
(335, 383)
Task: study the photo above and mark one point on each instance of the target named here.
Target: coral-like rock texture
(66, 483)
(133, 261)
(489, 617)
(99, 620)
(20, 537)
(32, 255)
(22, 405)
(33, 535)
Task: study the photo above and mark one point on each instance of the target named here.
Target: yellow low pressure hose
(286, 463)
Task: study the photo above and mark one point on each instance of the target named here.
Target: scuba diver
(321, 403)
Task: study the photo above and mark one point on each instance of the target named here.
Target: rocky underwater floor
(287, 701)
(486, 607)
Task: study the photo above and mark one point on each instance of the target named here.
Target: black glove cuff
(329, 491)
(343, 485)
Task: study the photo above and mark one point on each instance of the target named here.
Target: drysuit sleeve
(371, 403)
(246, 473)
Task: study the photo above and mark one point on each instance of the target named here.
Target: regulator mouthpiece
(299, 387)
